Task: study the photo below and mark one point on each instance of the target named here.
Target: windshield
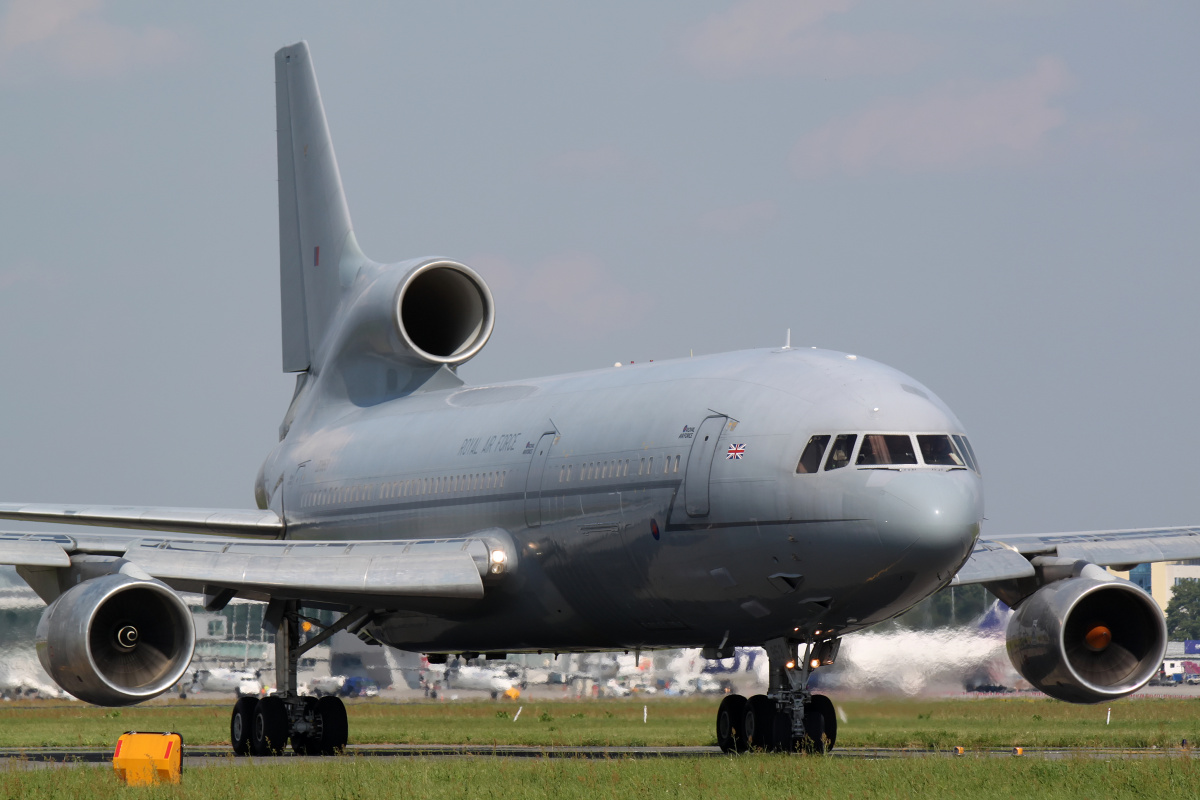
(886, 448)
(938, 450)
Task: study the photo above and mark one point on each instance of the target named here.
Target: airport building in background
(1160, 579)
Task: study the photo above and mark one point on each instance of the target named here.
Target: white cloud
(954, 126)
(785, 37)
(740, 219)
(72, 38)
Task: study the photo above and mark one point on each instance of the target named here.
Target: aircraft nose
(934, 516)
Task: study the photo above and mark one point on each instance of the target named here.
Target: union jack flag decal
(735, 452)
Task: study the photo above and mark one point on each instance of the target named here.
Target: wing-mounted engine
(116, 640)
(1083, 636)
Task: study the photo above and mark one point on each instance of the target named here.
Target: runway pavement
(48, 757)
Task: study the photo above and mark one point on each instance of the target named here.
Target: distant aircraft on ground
(781, 498)
(241, 682)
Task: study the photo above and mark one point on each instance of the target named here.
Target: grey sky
(999, 198)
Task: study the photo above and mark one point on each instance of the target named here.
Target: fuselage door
(533, 482)
(699, 465)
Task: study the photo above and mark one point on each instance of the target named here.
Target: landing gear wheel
(759, 723)
(307, 744)
(332, 725)
(241, 724)
(820, 725)
(270, 732)
(731, 715)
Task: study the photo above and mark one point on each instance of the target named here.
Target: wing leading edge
(221, 521)
(1007, 557)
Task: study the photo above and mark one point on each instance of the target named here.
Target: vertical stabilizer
(317, 251)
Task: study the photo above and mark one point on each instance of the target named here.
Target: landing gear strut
(788, 717)
(315, 726)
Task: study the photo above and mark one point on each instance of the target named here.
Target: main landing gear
(315, 726)
(788, 717)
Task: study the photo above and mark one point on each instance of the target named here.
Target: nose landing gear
(789, 717)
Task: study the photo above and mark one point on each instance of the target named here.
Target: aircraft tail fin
(318, 254)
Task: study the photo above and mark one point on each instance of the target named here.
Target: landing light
(816, 662)
(791, 665)
(499, 556)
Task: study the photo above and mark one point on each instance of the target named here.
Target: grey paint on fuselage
(847, 547)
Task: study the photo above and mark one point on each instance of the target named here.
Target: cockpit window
(965, 447)
(938, 450)
(810, 459)
(839, 454)
(881, 448)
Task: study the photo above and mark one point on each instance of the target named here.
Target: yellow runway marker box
(144, 758)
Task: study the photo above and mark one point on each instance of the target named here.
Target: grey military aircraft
(782, 497)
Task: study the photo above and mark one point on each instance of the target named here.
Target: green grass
(564, 779)
(976, 723)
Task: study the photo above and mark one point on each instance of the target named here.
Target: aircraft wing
(1007, 557)
(230, 522)
(340, 572)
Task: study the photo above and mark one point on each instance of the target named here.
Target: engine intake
(444, 312)
(1087, 641)
(116, 640)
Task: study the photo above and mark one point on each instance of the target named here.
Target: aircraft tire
(270, 733)
(731, 715)
(241, 723)
(305, 744)
(335, 731)
(823, 742)
(760, 723)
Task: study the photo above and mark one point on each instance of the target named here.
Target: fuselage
(651, 505)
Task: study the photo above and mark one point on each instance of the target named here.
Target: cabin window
(839, 454)
(883, 448)
(938, 450)
(810, 459)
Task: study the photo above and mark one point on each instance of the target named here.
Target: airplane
(782, 497)
(240, 682)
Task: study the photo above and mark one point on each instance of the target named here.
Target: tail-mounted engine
(1087, 638)
(116, 640)
(421, 314)
(443, 312)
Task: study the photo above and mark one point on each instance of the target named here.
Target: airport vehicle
(781, 497)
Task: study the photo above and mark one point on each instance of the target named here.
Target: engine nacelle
(1087, 641)
(116, 640)
(444, 312)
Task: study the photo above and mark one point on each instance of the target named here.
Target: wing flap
(229, 522)
(336, 568)
(991, 561)
(34, 554)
